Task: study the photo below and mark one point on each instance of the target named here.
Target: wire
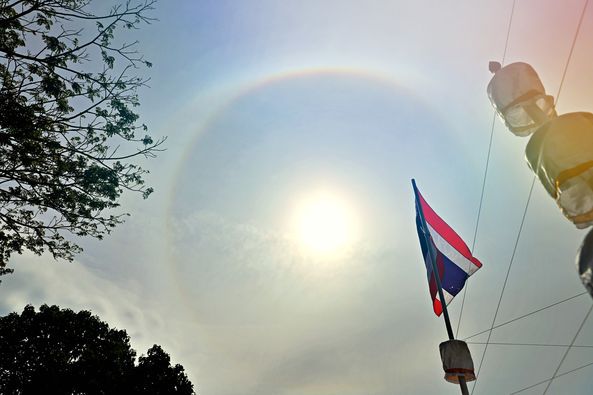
(574, 41)
(568, 349)
(528, 314)
(531, 344)
(505, 283)
(484, 179)
(478, 220)
(560, 375)
(573, 44)
(504, 54)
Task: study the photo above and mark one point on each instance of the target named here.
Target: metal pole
(432, 257)
(463, 385)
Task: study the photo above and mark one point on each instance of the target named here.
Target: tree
(69, 133)
(155, 375)
(62, 352)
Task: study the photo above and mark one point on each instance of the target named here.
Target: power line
(504, 54)
(505, 283)
(560, 375)
(531, 344)
(527, 315)
(574, 41)
(573, 44)
(568, 349)
(478, 219)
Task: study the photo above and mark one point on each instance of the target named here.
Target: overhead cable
(505, 283)
(532, 344)
(504, 54)
(567, 63)
(526, 315)
(568, 349)
(559, 375)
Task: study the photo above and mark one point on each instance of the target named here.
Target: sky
(277, 113)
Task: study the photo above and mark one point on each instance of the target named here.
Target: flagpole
(432, 258)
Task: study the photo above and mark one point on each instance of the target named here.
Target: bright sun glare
(325, 224)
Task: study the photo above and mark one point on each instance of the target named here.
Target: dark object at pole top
(585, 262)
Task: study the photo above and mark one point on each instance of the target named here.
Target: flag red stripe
(446, 232)
(432, 288)
(437, 307)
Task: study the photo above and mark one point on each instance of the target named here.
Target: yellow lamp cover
(561, 155)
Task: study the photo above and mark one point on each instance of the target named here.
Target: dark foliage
(68, 131)
(57, 351)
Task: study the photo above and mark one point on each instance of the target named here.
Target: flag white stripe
(448, 297)
(454, 256)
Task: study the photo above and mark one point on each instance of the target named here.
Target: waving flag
(454, 260)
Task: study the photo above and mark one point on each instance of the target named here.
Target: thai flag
(454, 260)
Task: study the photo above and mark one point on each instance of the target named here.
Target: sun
(325, 224)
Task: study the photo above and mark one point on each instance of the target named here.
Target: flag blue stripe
(423, 246)
(454, 277)
(450, 270)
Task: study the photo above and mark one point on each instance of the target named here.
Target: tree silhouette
(69, 135)
(62, 352)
